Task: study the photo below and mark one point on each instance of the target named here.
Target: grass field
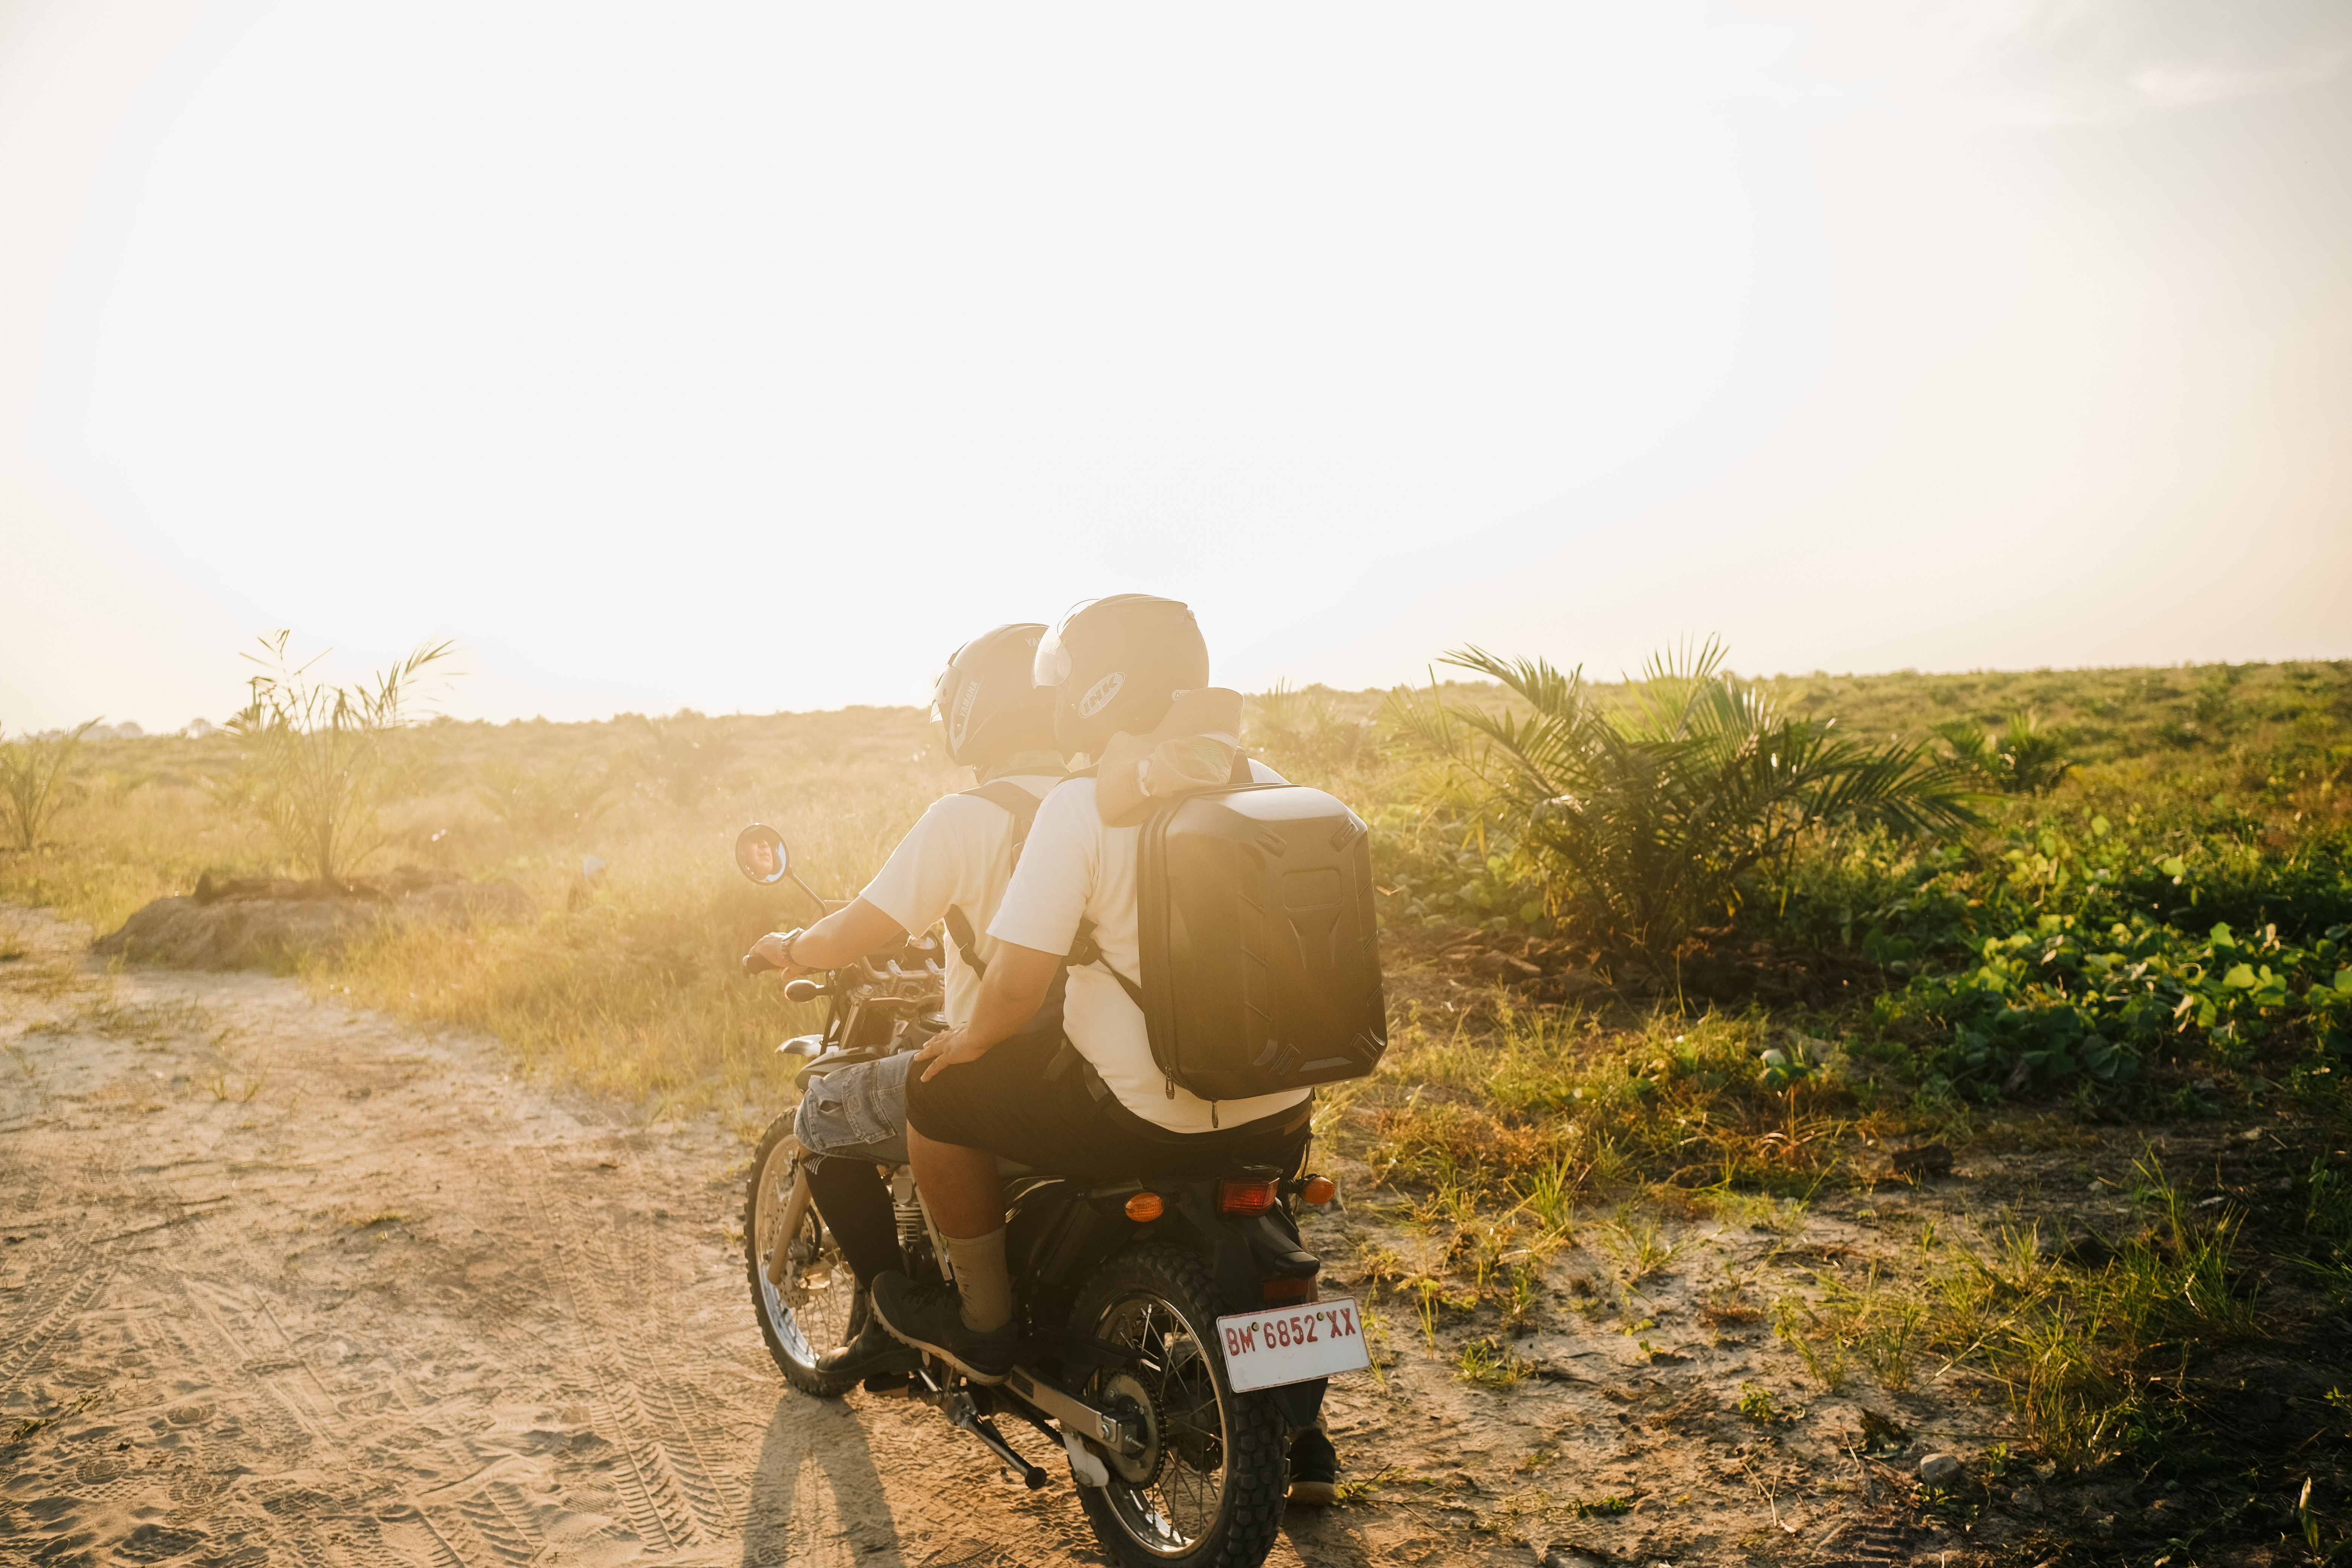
(2158, 941)
(2200, 797)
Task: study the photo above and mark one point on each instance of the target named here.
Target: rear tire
(1216, 1477)
(819, 1305)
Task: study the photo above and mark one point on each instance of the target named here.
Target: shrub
(1304, 730)
(2022, 760)
(318, 759)
(32, 773)
(1648, 815)
(685, 756)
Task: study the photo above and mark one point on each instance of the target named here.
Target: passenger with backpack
(1217, 928)
(953, 866)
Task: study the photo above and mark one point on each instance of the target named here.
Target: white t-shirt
(959, 855)
(1072, 869)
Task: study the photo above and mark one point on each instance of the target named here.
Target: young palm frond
(33, 781)
(1649, 818)
(2026, 760)
(317, 760)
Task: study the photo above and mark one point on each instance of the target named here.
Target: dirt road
(283, 1281)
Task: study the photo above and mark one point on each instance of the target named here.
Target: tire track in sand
(396, 1309)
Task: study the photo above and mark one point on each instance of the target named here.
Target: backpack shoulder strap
(1087, 950)
(1018, 803)
(1021, 807)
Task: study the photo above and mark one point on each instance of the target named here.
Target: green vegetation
(319, 760)
(32, 782)
(2022, 759)
(2156, 899)
(1759, 955)
(1641, 817)
(2080, 1348)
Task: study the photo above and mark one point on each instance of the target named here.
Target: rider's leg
(854, 1118)
(855, 1201)
(1314, 1465)
(959, 1186)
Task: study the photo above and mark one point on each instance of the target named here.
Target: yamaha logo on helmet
(962, 715)
(1099, 694)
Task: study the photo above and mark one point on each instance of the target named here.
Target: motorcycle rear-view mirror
(760, 855)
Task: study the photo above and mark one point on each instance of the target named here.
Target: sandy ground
(286, 1281)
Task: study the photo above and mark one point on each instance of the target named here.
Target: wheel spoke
(1177, 1508)
(810, 1313)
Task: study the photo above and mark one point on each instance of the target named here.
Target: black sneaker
(929, 1316)
(871, 1354)
(1314, 1468)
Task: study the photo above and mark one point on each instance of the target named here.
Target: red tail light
(1283, 1293)
(1246, 1197)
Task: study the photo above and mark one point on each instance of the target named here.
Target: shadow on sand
(817, 1496)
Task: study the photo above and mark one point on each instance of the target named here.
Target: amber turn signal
(1319, 1191)
(1145, 1205)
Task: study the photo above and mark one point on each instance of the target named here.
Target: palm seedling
(1646, 814)
(319, 760)
(2024, 759)
(32, 781)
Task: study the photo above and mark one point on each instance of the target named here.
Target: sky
(752, 357)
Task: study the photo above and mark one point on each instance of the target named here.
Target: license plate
(1275, 1345)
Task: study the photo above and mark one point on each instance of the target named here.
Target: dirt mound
(266, 922)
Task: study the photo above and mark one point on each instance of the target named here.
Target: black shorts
(1019, 1102)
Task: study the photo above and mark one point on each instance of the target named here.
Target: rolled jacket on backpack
(1191, 748)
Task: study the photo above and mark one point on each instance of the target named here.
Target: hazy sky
(753, 356)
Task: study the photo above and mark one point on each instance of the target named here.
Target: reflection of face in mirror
(760, 851)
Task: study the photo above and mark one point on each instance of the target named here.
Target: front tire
(1209, 1492)
(818, 1305)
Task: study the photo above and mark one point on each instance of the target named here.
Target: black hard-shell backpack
(1260, 951)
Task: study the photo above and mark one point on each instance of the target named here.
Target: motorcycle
(1172, 1334)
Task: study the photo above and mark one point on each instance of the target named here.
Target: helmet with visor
(986, 703)
(1115, 665)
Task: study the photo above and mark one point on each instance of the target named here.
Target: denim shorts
(858, 1111)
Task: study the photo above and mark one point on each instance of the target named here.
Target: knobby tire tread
(1258, 1479)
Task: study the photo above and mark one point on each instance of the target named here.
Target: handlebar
(800, 989)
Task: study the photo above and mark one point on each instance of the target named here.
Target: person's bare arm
(1009, 993)
(841, 937)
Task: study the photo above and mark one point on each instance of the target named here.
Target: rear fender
(1244, 1254)
(1244, 1251)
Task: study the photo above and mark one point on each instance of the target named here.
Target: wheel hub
(1124, 1395)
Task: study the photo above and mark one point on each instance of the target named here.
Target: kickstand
(1031, 1476)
